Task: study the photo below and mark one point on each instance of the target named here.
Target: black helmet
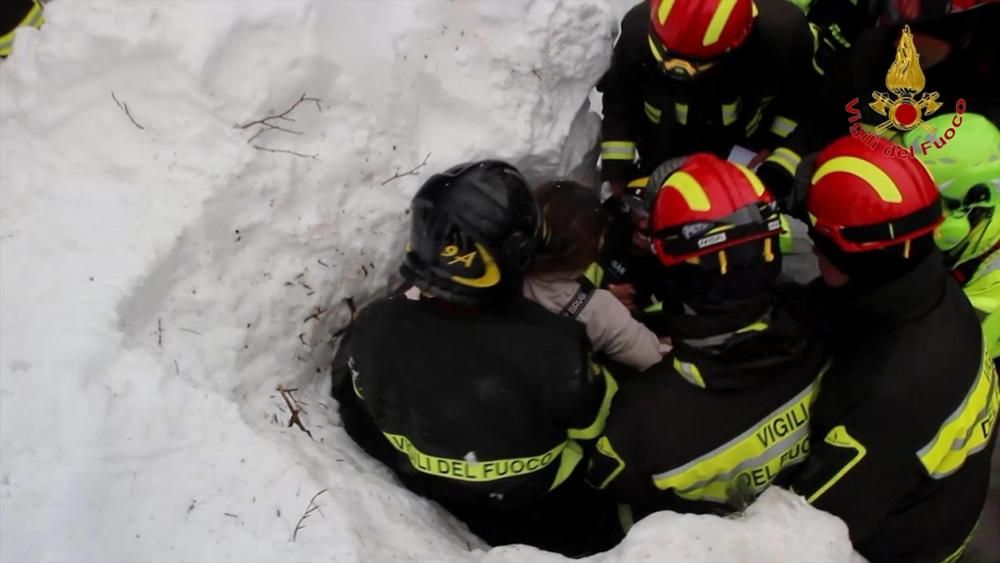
(475, 229)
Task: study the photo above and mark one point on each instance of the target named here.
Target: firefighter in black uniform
(738, 354)
(473, 395)
(706, 75)
(904, 423)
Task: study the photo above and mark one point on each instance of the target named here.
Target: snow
(158, 284)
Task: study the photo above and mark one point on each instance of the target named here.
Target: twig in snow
(322, 263)
(266, 121)
(310, 508)
(124, 107)
(229, 514)
(302, 338)
(294, 408)
(159, 331)
(283, 151)
(192, 331)
(314, 316)
(177, 368)
(410, 172)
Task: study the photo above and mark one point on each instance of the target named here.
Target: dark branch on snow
(410, 172)
(310, 508)
(124, 107)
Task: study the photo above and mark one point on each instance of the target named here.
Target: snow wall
(164, 270)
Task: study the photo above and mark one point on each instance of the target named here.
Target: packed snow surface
(164, 269)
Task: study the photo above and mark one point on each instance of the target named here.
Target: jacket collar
(907, 297)
(747, 347)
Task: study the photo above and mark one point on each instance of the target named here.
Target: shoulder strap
(579, 299)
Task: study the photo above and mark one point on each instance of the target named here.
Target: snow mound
(165, 264)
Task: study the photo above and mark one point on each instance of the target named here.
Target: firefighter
(710, 426)
(708, 75)
(967, 171)
(904, 423)
(473, 395)
(18, 13)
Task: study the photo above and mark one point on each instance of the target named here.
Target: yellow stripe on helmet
(718, 23)
(654, 49)
(664, 11)
(758, 187)
(873, 175)
(692, 192)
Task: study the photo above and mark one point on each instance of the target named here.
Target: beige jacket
(610, 326)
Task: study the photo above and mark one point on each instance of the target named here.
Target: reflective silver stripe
(730, 112)
(783, 127)
(804, 429)
(681, 112)
(958, 444)
(618, 150)
(786, 158)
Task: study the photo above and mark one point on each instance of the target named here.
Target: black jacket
(708, 428)
(903, 427)
(757, 96)
(471, 408)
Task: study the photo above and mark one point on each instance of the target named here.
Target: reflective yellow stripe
(618, 150)
(594, 273)
(873, 175)
(969, 428)
(751, 460)
(718, 23)
(654, 49)
(723, 263)
(758, 187)
(689, 188)
(664, 11)
(681, 113)
(604, 448)
(786, 158)
(755, 121)
(6, 42)
(477, 471)
(568, 460)
(785, 241)
(652, 113)
(783, 127)
(730, 112)
(639, 183)
(625, 518)
(34, 18)
(595, 429)
(815, 33)
(689, 372)
(654, 308)
(840, 438)
(758, 326)
(958, 553)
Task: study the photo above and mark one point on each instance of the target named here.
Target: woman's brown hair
(576, 221)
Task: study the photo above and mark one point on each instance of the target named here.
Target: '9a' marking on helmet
(491, 272)
(871, 174)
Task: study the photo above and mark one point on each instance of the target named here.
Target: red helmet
(698, 29)
(709, 205)
(866, 196)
